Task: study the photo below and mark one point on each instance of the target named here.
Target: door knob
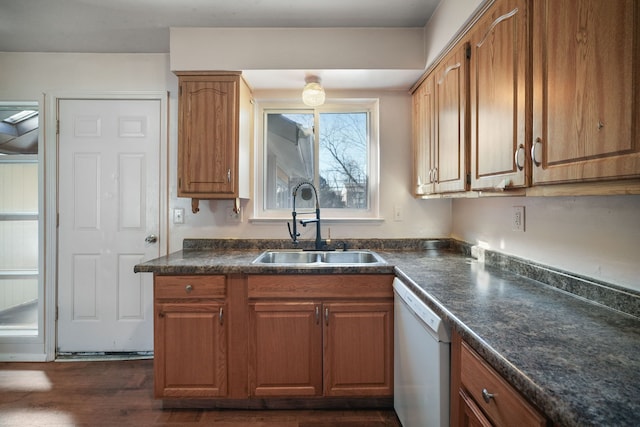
(151, 238)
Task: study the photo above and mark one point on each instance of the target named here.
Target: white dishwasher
(422, 343)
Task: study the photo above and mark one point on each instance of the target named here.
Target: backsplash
(607, 294)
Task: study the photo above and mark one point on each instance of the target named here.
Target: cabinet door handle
(326, 316)
(435, 175)
(228, 175)
(486, 395)
(317, 315)
(220, 316)
(519, 155)
(537, 142)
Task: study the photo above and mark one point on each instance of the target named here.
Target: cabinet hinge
(468, 52)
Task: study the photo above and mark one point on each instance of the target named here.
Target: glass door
(19, 222)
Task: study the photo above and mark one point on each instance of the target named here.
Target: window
(335, 147)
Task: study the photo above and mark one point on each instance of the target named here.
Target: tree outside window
(338, 164)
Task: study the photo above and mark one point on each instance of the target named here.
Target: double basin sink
(319, 258)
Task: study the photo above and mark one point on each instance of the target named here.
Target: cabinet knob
(188, 289)
(486, 395)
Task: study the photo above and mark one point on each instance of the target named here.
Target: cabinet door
(423, 136)
(450, 116)
(207, 137)
(586, 79)
(470, 415)
(190, 350)
(498, 73)
(285, 349)
(358, 349)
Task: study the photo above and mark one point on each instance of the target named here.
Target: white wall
(420, 219)
(26, 76)
(598, 237)
(446, 21)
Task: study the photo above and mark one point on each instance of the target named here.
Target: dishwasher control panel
(422, 311)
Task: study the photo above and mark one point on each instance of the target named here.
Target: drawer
(506, 407)
(320, 286)
(181, 287)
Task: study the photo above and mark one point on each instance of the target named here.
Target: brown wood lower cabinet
(481, 397)
(285, 349)
(336, 342)
(227, 339)
(190, 336)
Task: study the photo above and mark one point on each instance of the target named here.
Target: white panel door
(108, 204)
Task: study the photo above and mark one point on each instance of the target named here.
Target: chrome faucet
(306, 196)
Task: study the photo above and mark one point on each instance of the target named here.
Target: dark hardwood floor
(119, 393)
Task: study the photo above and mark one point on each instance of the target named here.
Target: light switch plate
(178, 216)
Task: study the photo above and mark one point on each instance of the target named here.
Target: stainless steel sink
(319, 258)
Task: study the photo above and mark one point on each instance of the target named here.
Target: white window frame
(260, 213)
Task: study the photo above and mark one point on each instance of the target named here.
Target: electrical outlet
(178, 216)
(517, 218)
(397, 213)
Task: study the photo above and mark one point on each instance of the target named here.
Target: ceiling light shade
(313, 93)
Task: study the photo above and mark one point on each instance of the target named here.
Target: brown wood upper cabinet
(450, 115)
(585, 89)
(214, 135)
(500, 56)
(423, 138)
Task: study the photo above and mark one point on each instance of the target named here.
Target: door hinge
(57, 127)
(57, 313)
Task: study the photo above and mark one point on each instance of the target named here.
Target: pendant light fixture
(313, 92)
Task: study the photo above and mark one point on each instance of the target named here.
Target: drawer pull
(486, 395)
(188, 289)
(519, 157)
(220, 316)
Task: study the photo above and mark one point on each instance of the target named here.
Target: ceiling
(142, 26)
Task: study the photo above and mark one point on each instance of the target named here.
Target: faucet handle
(294, 235)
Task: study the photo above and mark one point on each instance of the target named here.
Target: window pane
(289, 156)
(329, 147)
(343, 160)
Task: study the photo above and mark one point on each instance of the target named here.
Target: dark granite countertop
(577, 360)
